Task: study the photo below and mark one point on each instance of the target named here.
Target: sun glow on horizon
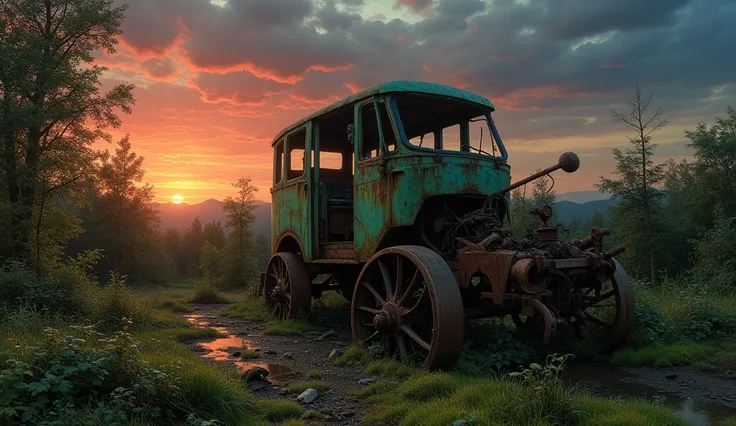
(177, 199)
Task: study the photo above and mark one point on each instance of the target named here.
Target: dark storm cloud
(329, 18)
(569, 19)
(565, 61)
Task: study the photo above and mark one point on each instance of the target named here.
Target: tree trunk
(653, 267)
(38, 234)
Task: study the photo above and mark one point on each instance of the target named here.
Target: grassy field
(143, 362)
(140, 374)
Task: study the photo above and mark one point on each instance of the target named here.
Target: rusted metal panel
(418, 176)
(291, 210)
(493, 264)
(372, 208)
(343, 251)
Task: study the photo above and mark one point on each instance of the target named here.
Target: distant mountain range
(569, 206)
(181, 216)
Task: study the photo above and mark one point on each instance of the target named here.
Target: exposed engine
(537, 275)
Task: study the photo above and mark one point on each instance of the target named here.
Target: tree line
(58, 195)
(675, 218)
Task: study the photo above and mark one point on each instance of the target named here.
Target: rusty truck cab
(360, 174)
(397, 198)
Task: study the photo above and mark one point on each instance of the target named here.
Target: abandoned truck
(398, 198)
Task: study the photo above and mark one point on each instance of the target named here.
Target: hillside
(180, 216)
(567, 210)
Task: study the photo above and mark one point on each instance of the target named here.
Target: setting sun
(177, 199)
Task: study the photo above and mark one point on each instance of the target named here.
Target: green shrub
(543, 393)
(206, 293)
(650, 326)
(491, 346)
(66, 291)
(116, 301)
(86, 371)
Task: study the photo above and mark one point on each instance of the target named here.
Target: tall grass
(680, 322)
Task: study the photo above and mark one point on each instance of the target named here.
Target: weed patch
(249, 354)
(353, 354)
(314, 374)
(390, 368)
(250, 309)
(286, 328)
(206, 294)
(664, 356)
(278, 410)
(174, 306)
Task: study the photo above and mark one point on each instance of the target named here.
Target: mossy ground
(421, 398)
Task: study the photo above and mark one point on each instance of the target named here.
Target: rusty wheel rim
(407, 301)
(286, 288)
(608, 310)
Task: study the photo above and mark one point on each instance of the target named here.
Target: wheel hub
(278, 292)
(387, 320)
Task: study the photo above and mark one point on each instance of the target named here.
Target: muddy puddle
(223, 348)
(698, 398)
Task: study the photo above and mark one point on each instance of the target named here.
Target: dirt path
(287, 358)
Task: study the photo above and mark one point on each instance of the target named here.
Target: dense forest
(79, 231)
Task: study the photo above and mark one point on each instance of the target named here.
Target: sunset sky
(216, 80)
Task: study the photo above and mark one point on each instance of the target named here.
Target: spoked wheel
(407, 300)
(608, 311)
(287, 286)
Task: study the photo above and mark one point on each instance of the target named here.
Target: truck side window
(296, 144)
(278, 160)
(370, 138)
(389, 137)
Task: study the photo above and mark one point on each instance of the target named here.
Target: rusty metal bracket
(493, 264)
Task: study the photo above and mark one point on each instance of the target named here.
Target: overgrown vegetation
(206, 293)
(536, 395)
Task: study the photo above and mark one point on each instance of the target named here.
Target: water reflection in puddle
(612, 381)
(221, 349)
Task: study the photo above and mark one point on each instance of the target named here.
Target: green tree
(239, 213)
(212, 263)
(175, 247)
(193, 242)
(49, 93)
(714, 167)
(214, 234)
(124, 206)
(638, 217)
(523, 221)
